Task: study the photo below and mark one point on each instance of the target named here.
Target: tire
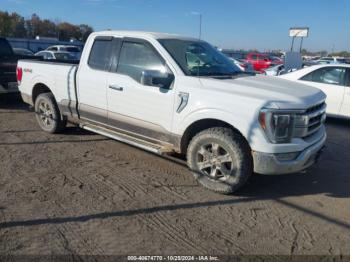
(48, 115)
(220, 159)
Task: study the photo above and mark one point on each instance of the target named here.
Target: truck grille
(310, 121)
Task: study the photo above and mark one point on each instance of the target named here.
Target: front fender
(244, 122)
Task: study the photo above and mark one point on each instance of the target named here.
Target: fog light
(287, 156)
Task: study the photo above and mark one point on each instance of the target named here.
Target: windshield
(198, 58)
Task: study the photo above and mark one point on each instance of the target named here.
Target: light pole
(200, 26)
(200, 16)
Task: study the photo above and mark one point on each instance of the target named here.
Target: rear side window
(327, 75)
(5, 48)
(100, 56)
(52, 49)
(136, 57)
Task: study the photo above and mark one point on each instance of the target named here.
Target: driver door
(141, 109)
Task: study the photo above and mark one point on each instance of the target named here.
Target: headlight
(278, 126)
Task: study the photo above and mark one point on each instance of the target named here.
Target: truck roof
(144, 34)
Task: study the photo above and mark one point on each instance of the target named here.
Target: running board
(154, 148)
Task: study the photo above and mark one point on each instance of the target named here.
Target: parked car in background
(171, 94)
(23, 51)
(274, 70)
(8, 63)
(58, 55)
(278, 70)
(74, 50)
(333, 80)
(258, 61)
(275, 60)
(243, 65)
(331, 60)
(238, 55)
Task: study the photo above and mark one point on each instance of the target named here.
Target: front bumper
(269, 164)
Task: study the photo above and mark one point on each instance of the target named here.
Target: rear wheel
(48, 114)
(220, 160)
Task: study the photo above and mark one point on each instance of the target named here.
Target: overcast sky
(248, 24)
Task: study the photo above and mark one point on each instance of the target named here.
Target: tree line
(15, 25)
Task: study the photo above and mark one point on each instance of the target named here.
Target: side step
(145, 145)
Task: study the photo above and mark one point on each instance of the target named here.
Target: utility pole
(200, 26)
(301, 44)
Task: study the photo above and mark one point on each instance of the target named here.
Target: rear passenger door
(92, 80)
(140, 109)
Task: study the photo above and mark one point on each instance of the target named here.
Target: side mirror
(157, 78)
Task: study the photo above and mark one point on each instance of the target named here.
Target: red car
(259, 61)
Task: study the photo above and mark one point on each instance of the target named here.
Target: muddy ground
(82, 193)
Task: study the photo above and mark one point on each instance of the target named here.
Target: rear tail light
(19, 73)
(243, 65)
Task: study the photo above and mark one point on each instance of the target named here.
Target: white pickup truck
(171, 94)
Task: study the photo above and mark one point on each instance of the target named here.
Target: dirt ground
(81, 193)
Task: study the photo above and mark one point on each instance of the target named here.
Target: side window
(137, 57)
(45, 55)
(196, 56)
(5, 48)
(100, 55)
(48, 56)
(327, 75)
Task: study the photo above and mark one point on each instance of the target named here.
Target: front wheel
(220, 159)
(48, 115)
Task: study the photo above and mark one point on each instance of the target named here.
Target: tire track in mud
(157, 221)
(221, 231)
(65, 231)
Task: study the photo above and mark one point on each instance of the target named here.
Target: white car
(333, 80)
(57, 55)
(171, 94)
(245, 67)
(74, 50)
(274, 70)
(330, 60)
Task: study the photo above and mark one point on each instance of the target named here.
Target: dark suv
(8, 64)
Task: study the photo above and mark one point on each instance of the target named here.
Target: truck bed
(62, 80)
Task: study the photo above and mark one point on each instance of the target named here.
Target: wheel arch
(201, 125)
(39, 88)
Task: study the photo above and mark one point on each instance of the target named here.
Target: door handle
(117, 88)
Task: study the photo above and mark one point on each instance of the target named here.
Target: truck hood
(273, 92)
